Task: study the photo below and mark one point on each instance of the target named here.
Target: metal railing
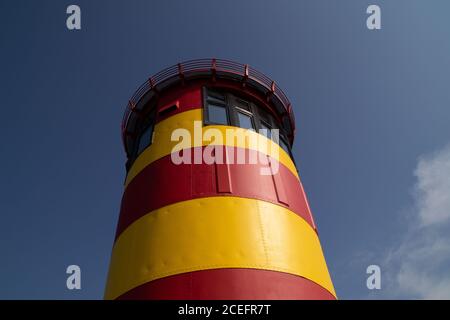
(184, 69)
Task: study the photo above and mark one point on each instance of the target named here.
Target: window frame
(217, 102)
(233, 105)
(248, 114)
(138, 152)
(267, 125)
(149, 121)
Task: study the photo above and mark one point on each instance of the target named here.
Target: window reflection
(217, 114)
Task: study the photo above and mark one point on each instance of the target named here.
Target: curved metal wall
(213, 231)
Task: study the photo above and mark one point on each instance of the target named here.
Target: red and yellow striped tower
(219, 230)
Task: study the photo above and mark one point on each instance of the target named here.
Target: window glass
(245, 121)
(266, 130)
(267, 117)
(146, 139)
(227, 109)
(215, 96)
(284, 145)
(217, 114)
(242, 104)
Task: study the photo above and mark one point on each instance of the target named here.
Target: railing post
(152, 84)
(181, 73)
(271, 92)
(132, 105)
(213, 69)
(245, 78)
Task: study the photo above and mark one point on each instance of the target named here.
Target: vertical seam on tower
(261, 227)
(190, 286)
(307, 204)
(278, 185)
(223, 175)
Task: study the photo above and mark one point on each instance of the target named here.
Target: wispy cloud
(419, 265)
(433, 187)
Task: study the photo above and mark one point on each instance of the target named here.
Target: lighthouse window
(217, 114)
(224, 108)
(242, 104)
(215, 96)
(146, 139)
(215, 107)
(265, 130)
(245, 121)
(284, 146)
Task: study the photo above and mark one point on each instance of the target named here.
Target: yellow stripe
(163, 146)
(211, 233)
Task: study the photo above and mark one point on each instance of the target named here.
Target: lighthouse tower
(220, 230)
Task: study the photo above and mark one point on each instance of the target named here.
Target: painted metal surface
(211, 233)
(164, 145)
(177, 76)
(230, 284)
(154, 187)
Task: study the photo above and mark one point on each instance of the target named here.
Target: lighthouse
(225, 229)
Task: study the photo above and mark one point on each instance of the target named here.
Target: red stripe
(189, 97)
(223, 176)
(162, 183)
(229, 284)
(185, 98)
(279, 187)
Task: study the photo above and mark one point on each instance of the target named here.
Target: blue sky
(372, 110)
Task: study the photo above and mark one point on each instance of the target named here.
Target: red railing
(184, 69)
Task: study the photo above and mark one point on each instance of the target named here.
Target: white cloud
(419, 266)
(433, 187)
